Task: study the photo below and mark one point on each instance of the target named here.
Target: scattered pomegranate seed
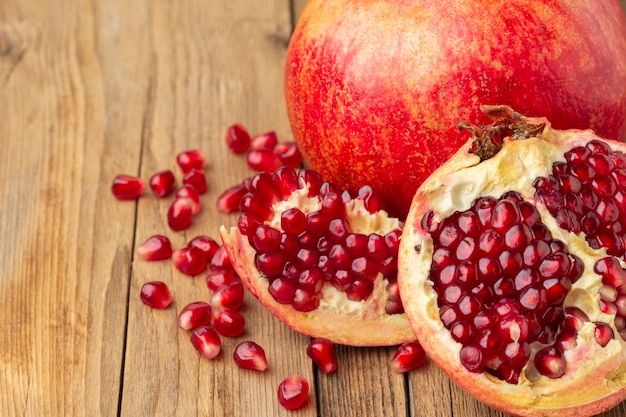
(179, 215)
(189, 260)
(229, 323)
(162, 183)
(219, 278)
(207, 341)
(228, 296)
(197, 180)
(190, 160)
(408, 356)
(289, 154)
(322, 352)
(293, 392)
(187, 191)
(155, 248)
(194, 315)
(156, 294)
(127, 187)
(230, 199)
(237, 138)
(263, 160)
(220, 261)
(206, 244)
(249, 355)
(267, 140)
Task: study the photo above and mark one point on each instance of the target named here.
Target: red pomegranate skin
(374, 88)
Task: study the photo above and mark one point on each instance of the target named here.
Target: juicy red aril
(229, 323)
(197, 180)
(194, 315)
(501, 280)
(267, 140)
(550, 362)
(220, 261)
(189, 260)
(155, 248)
(127, 187)
(293, 392)
(230, 199)
(206, 244)
(237, 138)
(207, 341)
(188, 191)
(322, 352)
(218, 278)
(162, 183)
(156, 294)
(179, 215)
(407, 357)
(191, 159)
(289, 154)
(263, 160)
(250, 355)
(228, 296)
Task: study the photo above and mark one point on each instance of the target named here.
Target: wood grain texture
(91, 89)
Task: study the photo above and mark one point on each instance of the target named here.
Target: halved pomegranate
(511, 267)
(322, 259)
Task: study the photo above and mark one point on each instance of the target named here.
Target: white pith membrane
(338, 319)
(595, 376)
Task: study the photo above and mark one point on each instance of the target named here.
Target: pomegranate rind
(595, 378)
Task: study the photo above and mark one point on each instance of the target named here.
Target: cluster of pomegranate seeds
(613, 291)
(250, 355)
(293, 392)
(156, 294)
(127, 187)
(407, 357)
(501, 280)
(308, 247)
(587, 193)
(322, 352)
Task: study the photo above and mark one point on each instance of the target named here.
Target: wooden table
(90, 89)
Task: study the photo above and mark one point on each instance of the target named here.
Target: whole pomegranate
(511, 267)
(374, 88)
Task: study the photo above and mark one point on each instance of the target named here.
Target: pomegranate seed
(322, 352)
(197, 180)
(229, 323)
(207, 341)
(472, 358)
(603, 333)
(194, 315)
(156, 294)
(407, 357)
(180, 214)
(187, 191)
(289, 154)
(263, 160)
(267, 140)
(230, 199)
(220, 261)
(228, 296)
(127, 187)
(189, 260)
(162, 183)
(293, 392)
(237, 138)
(249, 355)
(282, 290)
(155, 248)
(549, 362)
(206, 244)
(190, 160)
(219, 278)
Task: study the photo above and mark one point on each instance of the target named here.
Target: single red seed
(289, 154)
(162, 183)
(206, 244)
(218, 278)
(322, 352)
(603, 333)
(197, 180)
(155, 248)
(550, 362)
(282, 290)
(250, 355)
(220, 261)
(127, 187)
(230, 200)
(189, 260)
(293, 392)
(194, 315)
(267, 140)
(229, 323)
(237, 138)
(206, 341)
(188, 191)
(179, 215)
(156, 294)
(228, 296)
(191, 159)
(263, 160)
(407, 357)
